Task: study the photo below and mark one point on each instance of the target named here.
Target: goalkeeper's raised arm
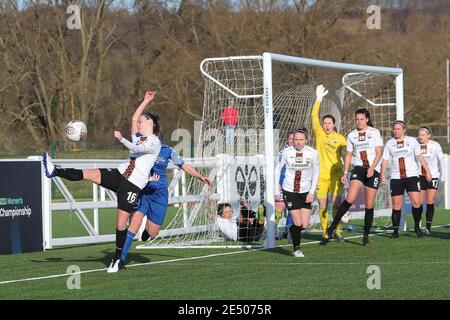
(320, 94)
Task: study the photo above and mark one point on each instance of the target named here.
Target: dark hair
(427, 129)
(403, 123)
(366, 113)
(157, 131)
(221, 207)
(289, 133)
(301, 130)
(330, 117)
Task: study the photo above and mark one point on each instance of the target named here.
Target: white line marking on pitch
(130, 266)
(187, 259)
(219, 264)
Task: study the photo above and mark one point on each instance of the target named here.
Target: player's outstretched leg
(52, 171)
(49, 167)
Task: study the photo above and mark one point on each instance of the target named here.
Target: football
(75, 130)
(346, 217)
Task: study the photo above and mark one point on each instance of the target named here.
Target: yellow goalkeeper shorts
(333, 186)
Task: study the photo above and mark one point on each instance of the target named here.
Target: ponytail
(157, 131)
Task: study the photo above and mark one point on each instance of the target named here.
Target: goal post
(250, 104)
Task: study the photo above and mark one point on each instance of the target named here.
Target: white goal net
(237, 147)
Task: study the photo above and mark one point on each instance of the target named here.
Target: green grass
(66, 223)
(411, 268)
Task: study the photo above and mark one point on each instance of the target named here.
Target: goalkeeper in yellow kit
(331, 147)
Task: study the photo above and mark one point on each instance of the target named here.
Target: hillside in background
(50, 74)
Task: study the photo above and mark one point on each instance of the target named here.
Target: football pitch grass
(410, 268)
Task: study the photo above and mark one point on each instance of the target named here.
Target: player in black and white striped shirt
(432, 152)
(403, 153)
(131, 176)
(299, 184)
(364, 152)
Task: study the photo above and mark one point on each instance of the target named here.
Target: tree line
(50, 74)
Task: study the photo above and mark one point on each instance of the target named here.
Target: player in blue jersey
(154, 198)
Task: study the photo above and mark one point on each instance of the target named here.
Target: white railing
(103, 198)
(178, 182)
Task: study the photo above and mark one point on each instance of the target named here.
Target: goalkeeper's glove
(320, 93)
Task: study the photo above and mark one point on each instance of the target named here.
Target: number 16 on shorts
(131, 197)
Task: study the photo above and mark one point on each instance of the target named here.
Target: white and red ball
(75, 130)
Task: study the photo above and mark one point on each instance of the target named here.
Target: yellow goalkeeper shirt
(329, 146)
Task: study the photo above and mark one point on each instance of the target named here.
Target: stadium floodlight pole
(269, 153)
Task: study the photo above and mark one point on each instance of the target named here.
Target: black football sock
(121, 237)
(145, 235)
(69, 174)
(417, 215)
(368, 221)
(296, 233)
(340, 213)
(396, 216)
(429, 215)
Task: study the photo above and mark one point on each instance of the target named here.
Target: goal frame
(267, 98)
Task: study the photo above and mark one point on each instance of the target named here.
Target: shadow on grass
(281, 250)
(438, 234)
(105, 257)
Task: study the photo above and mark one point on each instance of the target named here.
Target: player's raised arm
(320, 94)
(149, 95)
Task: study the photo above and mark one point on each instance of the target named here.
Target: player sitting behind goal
(250, 226)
